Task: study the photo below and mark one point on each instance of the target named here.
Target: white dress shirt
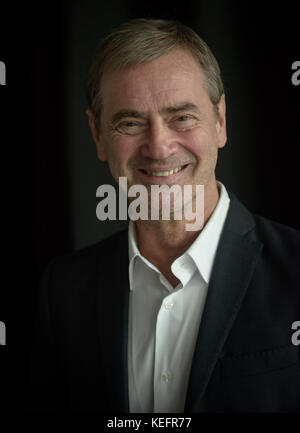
(164, 321)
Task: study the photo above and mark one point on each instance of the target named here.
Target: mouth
(164, 173)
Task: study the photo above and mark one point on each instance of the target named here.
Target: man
(161, 319)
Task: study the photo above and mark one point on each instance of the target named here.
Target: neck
(161, 242)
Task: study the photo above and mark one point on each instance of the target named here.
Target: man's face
(158, 125)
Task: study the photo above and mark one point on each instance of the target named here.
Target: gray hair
(143, 40)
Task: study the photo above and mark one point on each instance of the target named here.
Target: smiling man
(157, 118)
(158, 318)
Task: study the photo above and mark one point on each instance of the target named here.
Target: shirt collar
(204, 248)
(132, 242)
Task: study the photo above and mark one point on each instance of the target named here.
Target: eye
(183, 118)
(184, 122)
(129, 124)
(129, 127)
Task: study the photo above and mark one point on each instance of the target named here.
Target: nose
(159, 142)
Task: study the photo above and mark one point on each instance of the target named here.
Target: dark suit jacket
(244, 359)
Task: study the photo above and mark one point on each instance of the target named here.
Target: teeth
(164, 173)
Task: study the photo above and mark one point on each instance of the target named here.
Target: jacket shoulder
(281, 251)
(280, 243)
(98, 250)
(82, 265)
(280, 236)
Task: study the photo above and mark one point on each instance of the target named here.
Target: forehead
(170, 79)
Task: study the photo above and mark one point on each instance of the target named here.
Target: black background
(43, 46)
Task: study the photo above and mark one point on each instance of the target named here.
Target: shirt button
(166, 377)
(169, 305)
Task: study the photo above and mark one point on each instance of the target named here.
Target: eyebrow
(127, 113)
(185, 106)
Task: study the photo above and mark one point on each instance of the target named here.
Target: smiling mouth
(164, 173)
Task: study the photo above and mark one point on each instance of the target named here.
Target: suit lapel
(113, 303)
(234, 265)
(236, 258)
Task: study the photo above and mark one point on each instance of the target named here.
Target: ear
(96, 136)
(221, 123)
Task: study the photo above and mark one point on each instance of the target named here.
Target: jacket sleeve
(43, 389)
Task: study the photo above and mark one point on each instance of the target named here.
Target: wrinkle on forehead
(168, 80)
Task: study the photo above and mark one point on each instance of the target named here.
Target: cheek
(119, 153)
(198, 142)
